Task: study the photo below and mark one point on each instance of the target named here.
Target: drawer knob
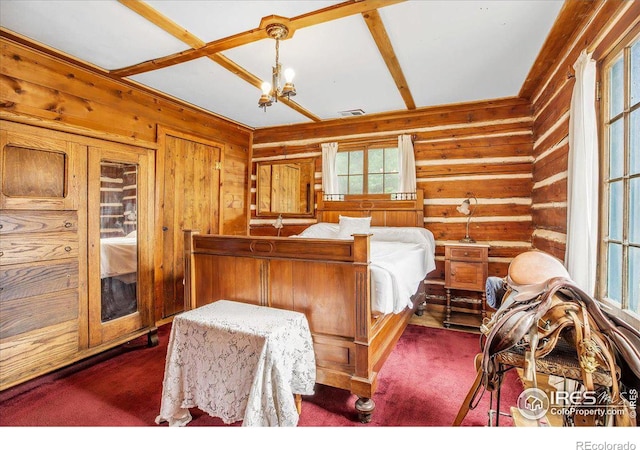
(68, 224)
(67, 249)
(1, 253)
(466, 253)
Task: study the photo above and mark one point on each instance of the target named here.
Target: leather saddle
(543, 305)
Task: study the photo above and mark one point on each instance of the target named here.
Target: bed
(118, 276)
(350, 287)
(119, 257)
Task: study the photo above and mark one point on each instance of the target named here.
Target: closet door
(188, 199)
(120, 218)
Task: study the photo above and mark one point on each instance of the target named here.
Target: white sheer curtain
(407, 163)
(582, 178)
(329, 173)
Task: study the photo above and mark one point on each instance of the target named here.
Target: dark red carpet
(423, 383)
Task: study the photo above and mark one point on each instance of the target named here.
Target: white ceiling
(449, 51)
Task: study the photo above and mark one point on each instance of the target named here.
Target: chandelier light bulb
(289, 74)
(266, 88)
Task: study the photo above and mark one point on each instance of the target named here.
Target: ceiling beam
(161, 21)
(380, 36)
(323, 15)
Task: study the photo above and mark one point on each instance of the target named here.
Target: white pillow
(353, 225)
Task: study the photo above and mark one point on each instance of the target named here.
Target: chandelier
(271, 91)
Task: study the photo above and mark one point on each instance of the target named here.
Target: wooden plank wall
(482, 148)
(603, 24)
(38, 87)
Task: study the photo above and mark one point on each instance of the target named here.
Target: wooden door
(187, 199)
(120, 236)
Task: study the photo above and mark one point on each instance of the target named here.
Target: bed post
(189, 271)
(363, 382)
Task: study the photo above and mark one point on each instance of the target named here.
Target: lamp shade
(464, 207)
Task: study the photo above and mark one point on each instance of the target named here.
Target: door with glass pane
(119, 216)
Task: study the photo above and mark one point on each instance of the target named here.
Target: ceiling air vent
(351, 112)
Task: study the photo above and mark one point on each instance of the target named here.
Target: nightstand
(466, 269)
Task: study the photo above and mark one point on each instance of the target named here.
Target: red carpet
(423, 383)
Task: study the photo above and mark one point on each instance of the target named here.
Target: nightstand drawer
(466, 253)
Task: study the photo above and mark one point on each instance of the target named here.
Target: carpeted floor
(422, 383)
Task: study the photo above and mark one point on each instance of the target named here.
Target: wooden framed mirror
(285, 187)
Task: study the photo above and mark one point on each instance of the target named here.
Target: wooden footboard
(327, 280)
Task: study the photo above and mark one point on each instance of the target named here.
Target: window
(620, 215)
(368, 170)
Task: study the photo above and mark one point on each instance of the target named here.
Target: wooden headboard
(386, 210)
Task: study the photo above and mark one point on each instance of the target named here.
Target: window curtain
(329, 173)
(407, 164)
(582, 178)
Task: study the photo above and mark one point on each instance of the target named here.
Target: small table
(237, 362)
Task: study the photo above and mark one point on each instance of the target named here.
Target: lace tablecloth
(237, 362)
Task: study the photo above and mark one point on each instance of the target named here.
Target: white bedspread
(118, 256)
(397, 269)
(401, 257)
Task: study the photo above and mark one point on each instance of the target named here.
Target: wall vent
(351, 112)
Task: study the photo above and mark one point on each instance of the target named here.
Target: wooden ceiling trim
(193, 41)
(323, 15)
(381, 38)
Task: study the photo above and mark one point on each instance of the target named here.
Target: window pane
(375, 183)
(342, 163)
(616, 149)
(355, 184)
(376, 161)
(615, 210)
(343, 184)
(616, 88)
(634, 156)
(634, 210)
(391, 160)
(356, 163)
(614, 272)
(391, 183)
(635, 73)
(634, 279)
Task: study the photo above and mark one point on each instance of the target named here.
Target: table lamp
(466, 209)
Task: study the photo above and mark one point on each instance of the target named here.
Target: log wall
(602, 24)
(482, 149)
